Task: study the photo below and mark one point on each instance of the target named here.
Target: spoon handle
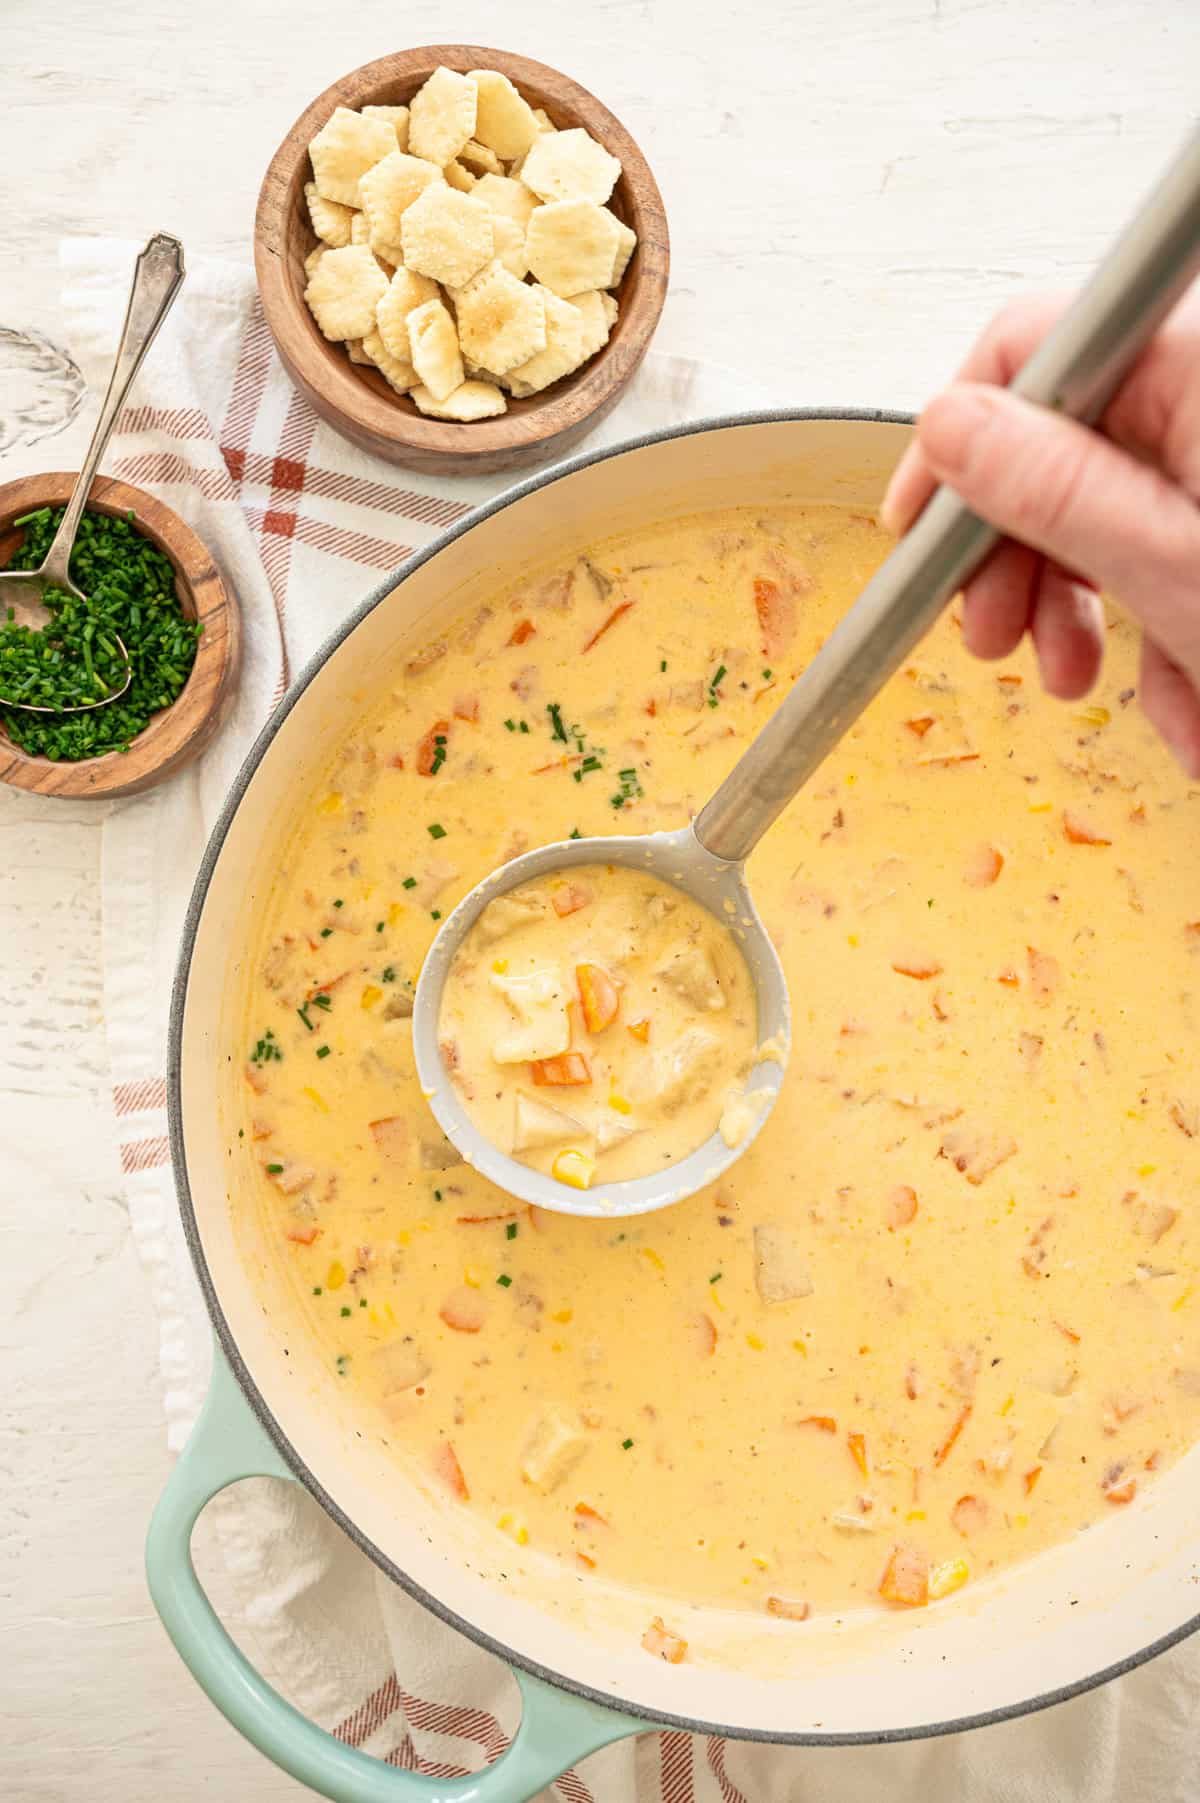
(1075, 370)
(157, 279)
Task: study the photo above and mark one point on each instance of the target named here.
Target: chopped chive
(574, 833)
(410, 882)
(435, 913)
(557, 729)
(322, 1000)
(767, 675)
(504, 1280)
(316, 1289)
(379, 925)
(625, 1445)
(362, 1302)
(325, 932)
(339, 903)
(524, 726)
(322, 1051)
(510, 1232)
(388, 974)
(663, 666)
(303, 1013)
(436, 831)
(273, 1170)
(437, 1195)
(715, 1278)
(345, 1311)
(510, 726)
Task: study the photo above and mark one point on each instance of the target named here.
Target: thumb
(1073, 495)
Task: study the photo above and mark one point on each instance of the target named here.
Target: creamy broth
(599, 1022)
(943, 1312)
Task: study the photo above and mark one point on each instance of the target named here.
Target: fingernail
(951, 426)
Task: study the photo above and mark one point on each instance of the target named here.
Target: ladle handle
(157, 279)
(1075, 370)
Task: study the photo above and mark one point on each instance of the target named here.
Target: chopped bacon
(326, 987)
(509, 1214)
(787, 1609)
(776, 616)
(901, 1207)
(1031, 1478)
(524, 629)
(463, 1310)
(826, 1423)
(912, 1382)
(586, 1512)
(640, 1030)
(1117, 1487)
(466, 707)
(445, 1463)
(598, 997)
(391, 1136)
(427, 750)
(1044, 974)
(983, 867)
(659, 1640)
(569, 898)
(705, 1336)
(920, 968)
(303, 1236)
(920, 725)
(969, 1515)
(611, 621)
(1079, 832)
(255, 1079)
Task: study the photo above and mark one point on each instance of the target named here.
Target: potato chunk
(779, 1269)
(552, 1450)
(690, 972)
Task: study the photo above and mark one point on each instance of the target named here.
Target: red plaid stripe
(135, 1098)
(145, 1154)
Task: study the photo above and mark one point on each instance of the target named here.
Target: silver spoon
(157, 279)
(1075, 371)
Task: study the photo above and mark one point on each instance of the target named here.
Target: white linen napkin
(303, 524)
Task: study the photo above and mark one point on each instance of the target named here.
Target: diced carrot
(705, 1336)
(920, 725)
(586, 1512)
(260, 1129)
(787, 1609)
(651, 708)
(391, 1136)
(598, 997)
(905, 1578)
(920, 968)
(901, 1207)
(1031, 1478)
(568, 898)
(464, 1310)
(1043, 974)
(1068, 1333)
(1008, 977)
(1151, 1464)
(947, 1446)
(969, 1515)
(466, 707)
(858, 1450)
(510, 1214)
(640, 1030)
(826, 1423)
(303, 1236)
(565, 1071)
(983, 867)
(954, 757)
(765, 690)
(776, 616)
(611, 621)
(659, 1640)
(524, 629)
(1079, 832)
(326, 988)
(396, 762)
(445, 1463)
(1010, 682)
(428, 748)
(586, 1560)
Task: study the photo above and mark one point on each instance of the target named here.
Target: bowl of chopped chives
(151, 581)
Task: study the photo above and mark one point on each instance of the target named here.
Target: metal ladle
(158, 277)
(1075, 371)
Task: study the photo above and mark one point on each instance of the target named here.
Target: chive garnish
(323, 1051)
(410, 882)
(504, 1280)
(557, 729)
(436, 831)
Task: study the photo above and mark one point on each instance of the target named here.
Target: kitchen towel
(302, 525)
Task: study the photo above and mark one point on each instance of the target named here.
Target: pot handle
(228, 1443)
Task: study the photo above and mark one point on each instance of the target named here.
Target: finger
(1068, 632)
(998, 600)
(1069, 493)
(1170, 702)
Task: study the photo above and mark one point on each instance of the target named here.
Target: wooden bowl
(356, 400)
(181, 731)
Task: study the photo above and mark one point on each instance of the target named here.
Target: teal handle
(228, 1443)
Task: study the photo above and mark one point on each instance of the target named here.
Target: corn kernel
(473, 1277)
(715, 1296)
(1040, 807)
(336, 1275)
(499, 965)
(371, 996)
(753, 1341)
(620, 1104)
(574, 1167)
(403, 1238)
(800, 1347)
(1021, 1521)
(317, 1100)
(947, 1577)
(1093, 716)
(395, 913)
(915, 1515)
(562, 1315)
(332, 804)
(652, 1257)
(1146, 1170)
(1006, 1405)
(1182, 1300)
(757, 1559)
(516, 1530)
(851, 938)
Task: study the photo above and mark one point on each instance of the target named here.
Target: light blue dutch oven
(1068, 1620)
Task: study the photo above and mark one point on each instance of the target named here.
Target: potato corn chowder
(600, 1021)
(944, 1312)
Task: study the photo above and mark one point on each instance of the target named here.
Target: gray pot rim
(572, 1686)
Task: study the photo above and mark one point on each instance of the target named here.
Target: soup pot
(1025, 1638)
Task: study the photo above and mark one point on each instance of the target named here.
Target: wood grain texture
(356, 400)
(181, 731)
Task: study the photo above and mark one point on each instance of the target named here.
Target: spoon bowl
(22, 604)
(719, 886)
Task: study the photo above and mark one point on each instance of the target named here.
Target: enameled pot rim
(562, 1680)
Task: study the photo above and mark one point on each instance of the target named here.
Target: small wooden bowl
(180, 732)
(357, 400)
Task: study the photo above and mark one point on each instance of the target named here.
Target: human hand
(1112, 507)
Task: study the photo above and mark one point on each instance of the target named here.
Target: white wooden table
(852, 189)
